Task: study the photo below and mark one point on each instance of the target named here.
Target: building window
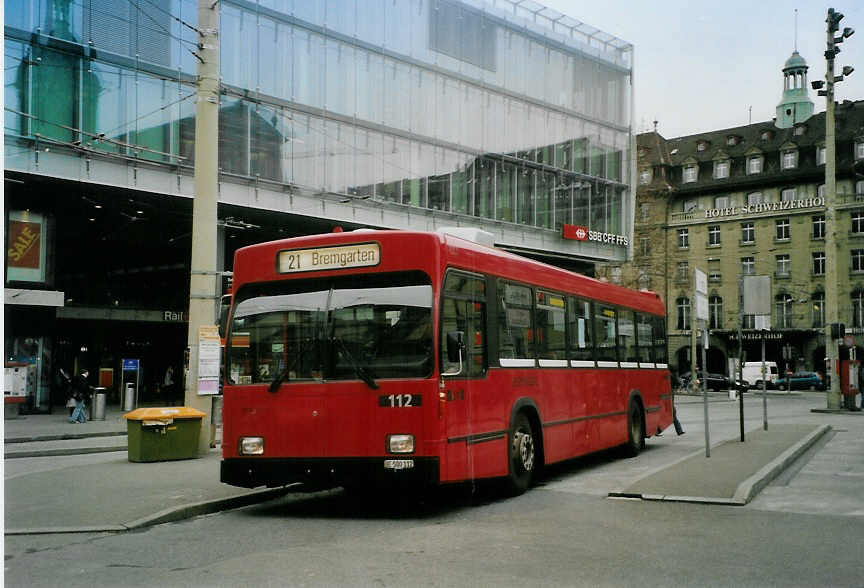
(683, 271)
(715, 312)
(683, 304)
(787, 195)
(715, 276)
(858, 222)
(819, 226)
(731, 140)
(859, 150)
(683, 238)
(754, 164)
(782, 229)
(818, 263)
(748, 233)
(783, 311)
(748, 321)
(818, 300)
(690, 173)
(783, 265)
(713, 235)
(721, 202)
(859, 190)
(820, 156)
(789, 160)
(690, 205)
(701, 146)
(858, 309)
(754, 198)
(645, 246)
(748, 266)
(820, 191)
(721, 169)
(857, 256)
(645, 176)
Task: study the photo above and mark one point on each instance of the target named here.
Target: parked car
(801, 381)
(715, 381)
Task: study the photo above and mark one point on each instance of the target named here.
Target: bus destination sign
(327, 258)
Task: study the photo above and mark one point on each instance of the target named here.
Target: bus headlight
(251, 445)
(400, 443)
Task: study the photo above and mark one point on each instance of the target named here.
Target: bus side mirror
(455, 346)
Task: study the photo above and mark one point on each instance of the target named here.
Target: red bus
(391, 355)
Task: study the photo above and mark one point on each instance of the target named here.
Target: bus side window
(515, 322)
(645, 337)
(606, 332)
(463, 309)
(580, 329)
(551, 340)
(627, 336)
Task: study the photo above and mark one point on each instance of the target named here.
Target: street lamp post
(831, 300)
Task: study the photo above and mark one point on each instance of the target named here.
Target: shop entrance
(101, 346)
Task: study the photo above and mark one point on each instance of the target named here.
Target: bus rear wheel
(635, 431)
(522, 454)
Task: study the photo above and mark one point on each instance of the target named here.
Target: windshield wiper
(305, 346)
(361, 371)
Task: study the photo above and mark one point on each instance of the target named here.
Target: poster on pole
(209, 355)
(701, 305)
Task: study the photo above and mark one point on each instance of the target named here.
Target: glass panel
(627, 336)
(14, 87)
(370, 21)
(156, 126)
(563, 202)
(604, 328)
(308, 66)
(515, 321)
(370, 90)
(239, 52)
(20, 14)
(581, 205)
(54, 90)
(551, 340)
(106, 106)
(660, 354)
(268, 136)
(545, 199)
(340, 78)
(526, 194)
(271, 59)
(581, 329)
(463, 309)
(645, 337)
(504, 191)
(484, 196)
(233, 136)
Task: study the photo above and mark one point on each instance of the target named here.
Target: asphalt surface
(54, 484)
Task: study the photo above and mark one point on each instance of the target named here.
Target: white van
(752, 373)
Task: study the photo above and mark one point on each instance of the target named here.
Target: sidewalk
(61, 490)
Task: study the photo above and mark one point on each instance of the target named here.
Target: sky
(701, 65)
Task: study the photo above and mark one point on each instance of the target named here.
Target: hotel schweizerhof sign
(765, 207)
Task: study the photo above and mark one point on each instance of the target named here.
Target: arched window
(715, 312)
(783, 311)
(818, 300)
(858, 308)
(683, 305)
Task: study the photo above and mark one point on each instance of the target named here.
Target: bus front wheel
(522, 453)
(635, 431)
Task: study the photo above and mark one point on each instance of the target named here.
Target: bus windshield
(366, 327)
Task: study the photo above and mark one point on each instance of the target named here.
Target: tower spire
(796, 30)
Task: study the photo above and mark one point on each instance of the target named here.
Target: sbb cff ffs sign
(580, 233)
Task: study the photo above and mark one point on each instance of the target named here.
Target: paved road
(802, 531)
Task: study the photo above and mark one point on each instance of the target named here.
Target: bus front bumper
(275, 472)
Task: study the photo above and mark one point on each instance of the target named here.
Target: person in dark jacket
(81, 394)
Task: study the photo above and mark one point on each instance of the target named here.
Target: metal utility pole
(204, 279)
(831, 300)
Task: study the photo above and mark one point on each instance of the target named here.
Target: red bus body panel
(463, 424)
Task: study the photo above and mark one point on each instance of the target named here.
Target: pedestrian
(678, 428)
(81, 393)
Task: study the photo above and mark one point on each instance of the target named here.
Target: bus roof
(437, 251)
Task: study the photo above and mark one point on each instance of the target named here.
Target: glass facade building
(502, 111)
(417, 114)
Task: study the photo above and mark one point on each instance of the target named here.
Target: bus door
(463, 324)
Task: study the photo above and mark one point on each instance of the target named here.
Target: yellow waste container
(163, 433)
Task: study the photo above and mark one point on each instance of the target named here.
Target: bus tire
(522, 454)
(635, 431)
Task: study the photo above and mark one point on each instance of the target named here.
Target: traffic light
(833, 19)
